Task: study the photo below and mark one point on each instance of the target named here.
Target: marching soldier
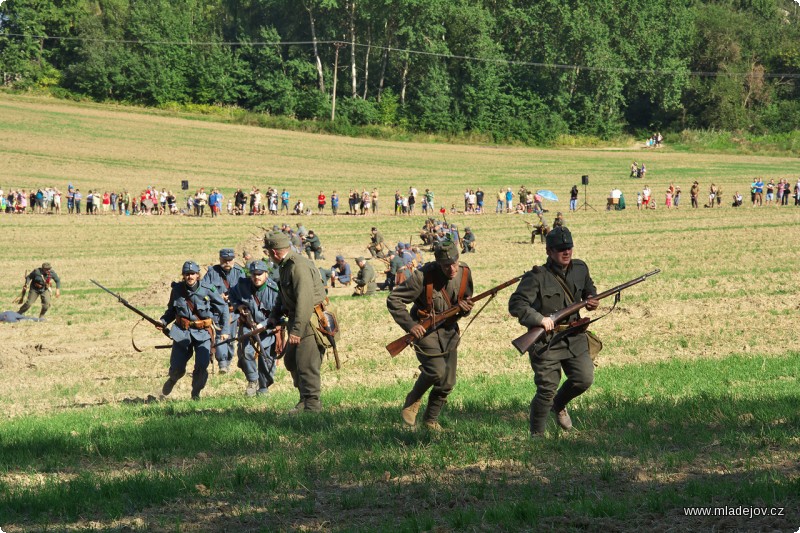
(193, 304)
(224, 277)
(467, 241)
(40, 281)
(365, 279)
(377, 246)
(312, 244)
(253, 299)
(543, 291)
(301, 291)
(432, 289)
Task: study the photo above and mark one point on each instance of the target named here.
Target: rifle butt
(524, 342)
(399, 345)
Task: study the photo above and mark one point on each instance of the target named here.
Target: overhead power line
(500, 61)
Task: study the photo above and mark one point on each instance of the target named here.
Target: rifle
(124, 302)
(524, 342)
(251, 333)
(432, 322)
(21, 297)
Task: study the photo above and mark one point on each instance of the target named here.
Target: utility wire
(500, 61)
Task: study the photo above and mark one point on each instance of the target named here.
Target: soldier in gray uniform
(365, 279)
(433, 288)
(193, 304)
(225, 276)
(312, 244)
(40, 281)
(468, 241)
(542, 291)
(377, 245)
(254, 298)
(301, 291)
(395, 264)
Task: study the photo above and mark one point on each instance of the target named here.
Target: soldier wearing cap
(434, 288)
(312, 244)
(559, 220)
(301, 291)
(253, 299)
(193, 305)
(340, 272)
(225, 276)
(395, 264)
(377, 245)
(41, 280)
(468, 241)
(365, 279)
(542, 291)
(542, 228)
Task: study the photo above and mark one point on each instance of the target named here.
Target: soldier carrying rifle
(40, 280)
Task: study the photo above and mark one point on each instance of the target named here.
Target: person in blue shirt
(224, 277)
(253, 299)
(340, 272)
(285, 200)
(193, 306)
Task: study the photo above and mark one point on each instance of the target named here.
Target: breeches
(303, 361)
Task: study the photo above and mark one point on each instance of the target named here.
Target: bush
(356, 111)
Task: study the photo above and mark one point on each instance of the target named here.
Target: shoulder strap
(189, 303)
(464, 279)
(427, 280)
(567, 292)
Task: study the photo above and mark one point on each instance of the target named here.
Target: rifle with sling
(437, 320)
(524, 342)
(21, 298)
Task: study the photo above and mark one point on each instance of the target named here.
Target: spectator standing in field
(573, 198)
(785, 198)
(412, 200)
(712, 195)
(321, 201)
(646, 197)
(770, 191)
(374, 196)
(694, 194)
(479, 200)
(509, 200)
(335, 203)
(677, 198)
(501, 196)
(719, 196)
(285, 201)
(668, 198)
(76, 198)
(759, 192)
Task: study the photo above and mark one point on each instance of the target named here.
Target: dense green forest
(511, 69)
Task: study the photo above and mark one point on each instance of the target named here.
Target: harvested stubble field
(694, 403)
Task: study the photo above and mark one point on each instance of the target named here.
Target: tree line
(515, 70)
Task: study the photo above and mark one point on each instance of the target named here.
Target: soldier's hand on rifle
(161, 326)
(223, 337)
(548, 324)
(294, 339)
(466, 305)
(418, 331)
(592, 303)
(58, 293)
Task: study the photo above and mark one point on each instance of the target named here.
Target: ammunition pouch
(325, 324)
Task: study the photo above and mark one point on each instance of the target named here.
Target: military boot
(252, 388)
(538, 418)
(409, 412)
(301, 405)
(198, 383)
(562, 418)
(431, 416)
(170, 383)
(413, 401)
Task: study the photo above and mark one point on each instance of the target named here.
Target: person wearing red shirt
(321, 202)
(106, 202)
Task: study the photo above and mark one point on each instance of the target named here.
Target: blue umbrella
(547, 195)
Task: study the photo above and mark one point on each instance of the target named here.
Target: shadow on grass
(359, 467)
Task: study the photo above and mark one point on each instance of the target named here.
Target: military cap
(258, 267)
(227, 253)
(46, 266)
(391, 252)
(400, 245)
(453, 226)
(190, 267)
(340, 258)
(360, 259)
(374, 228)
(275, 227)
(559, 239)
(311, 232)
(276, 240)
(446, 252)
(467, 229)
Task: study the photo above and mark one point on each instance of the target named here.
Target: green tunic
(366, 278)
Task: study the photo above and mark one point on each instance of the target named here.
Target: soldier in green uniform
(301, 291)
(312, 244)
(542, 228)
(395, 264)
(365, 279)
(542, 291)
(40, 281)
(467, 241)
(433, 288)
(377, 247)
(559, 220)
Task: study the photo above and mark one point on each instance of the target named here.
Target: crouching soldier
(192, 305)
(313, 244)
(253, 298)
(365, 279)
(467, 241)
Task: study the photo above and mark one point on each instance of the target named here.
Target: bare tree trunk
(366, 64)
(335, 73)
(385, 60)
(353, 79)
(405, 81)
(318, 61)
